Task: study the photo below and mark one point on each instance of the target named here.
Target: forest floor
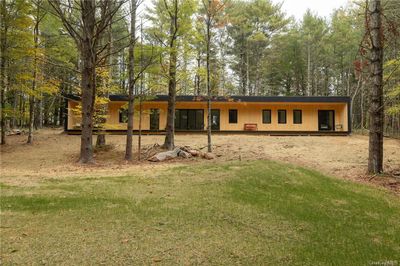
(54, 154)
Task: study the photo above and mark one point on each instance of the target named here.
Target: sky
(297, 8)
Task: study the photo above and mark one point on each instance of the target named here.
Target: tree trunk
(375, 159)
(21, 110)
(169, 142)
(141, 94)
(247, 69)
(208, 25)
(88, 82)
(362, 109)
(56, 113)
(197, 76)
(31, 116)
(3, 64)
(43, 118)
(131, 85)
(309, 66)
(32, 97)
(101, 137)
(122, 71)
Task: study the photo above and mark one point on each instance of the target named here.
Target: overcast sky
(297, 8)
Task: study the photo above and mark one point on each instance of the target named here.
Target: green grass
(233, 213)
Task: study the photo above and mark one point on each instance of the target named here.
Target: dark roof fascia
(191, 98)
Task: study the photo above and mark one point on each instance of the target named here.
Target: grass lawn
(256, 212)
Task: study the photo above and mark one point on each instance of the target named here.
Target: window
(297, 117)
(123, 115)
(281, 116)
(233, 116)
(266, 116)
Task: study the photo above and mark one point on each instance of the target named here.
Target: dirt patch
(54, 154)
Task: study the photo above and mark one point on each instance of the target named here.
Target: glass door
(189, 119)
(215, 119)
(154, 119)
(326, 120)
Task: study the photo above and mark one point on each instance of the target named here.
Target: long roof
(233, 98)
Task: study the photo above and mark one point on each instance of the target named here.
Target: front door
(326, 120)
(215, 119)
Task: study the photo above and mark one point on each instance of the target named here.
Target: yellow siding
(247, 113)
(73, 120)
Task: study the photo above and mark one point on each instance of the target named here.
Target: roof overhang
(191, 98)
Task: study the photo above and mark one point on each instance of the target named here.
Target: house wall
(247, 113)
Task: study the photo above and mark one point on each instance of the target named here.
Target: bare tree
(86, 30)
(376, 110)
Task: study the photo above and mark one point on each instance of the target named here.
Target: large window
(266, 116)
(281, 116)
(297, 117)
(123, 115)
(189, 119)
(233, 116)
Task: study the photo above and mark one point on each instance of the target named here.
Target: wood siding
(248, 113)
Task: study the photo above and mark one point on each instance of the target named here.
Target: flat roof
(233, 98)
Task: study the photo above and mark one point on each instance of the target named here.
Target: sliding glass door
(189, 119)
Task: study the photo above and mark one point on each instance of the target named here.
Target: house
(263, 114)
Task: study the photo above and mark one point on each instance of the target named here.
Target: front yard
(257, 212)
(54, 155)
(248, 206)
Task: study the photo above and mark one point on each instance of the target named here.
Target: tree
(134, 73)
(171, 24)
(38, 16)
(131, 84)
(15, 54)
(173, 11)
(87, 30)
(252, 26)
(376, 110)
(3, 64)
(212, 9)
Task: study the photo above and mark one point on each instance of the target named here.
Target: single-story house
(264, 114)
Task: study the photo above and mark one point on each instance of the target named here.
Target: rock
(184, 154)
(186, 148)
(166, 155)
(209, 156)
(194, 152)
